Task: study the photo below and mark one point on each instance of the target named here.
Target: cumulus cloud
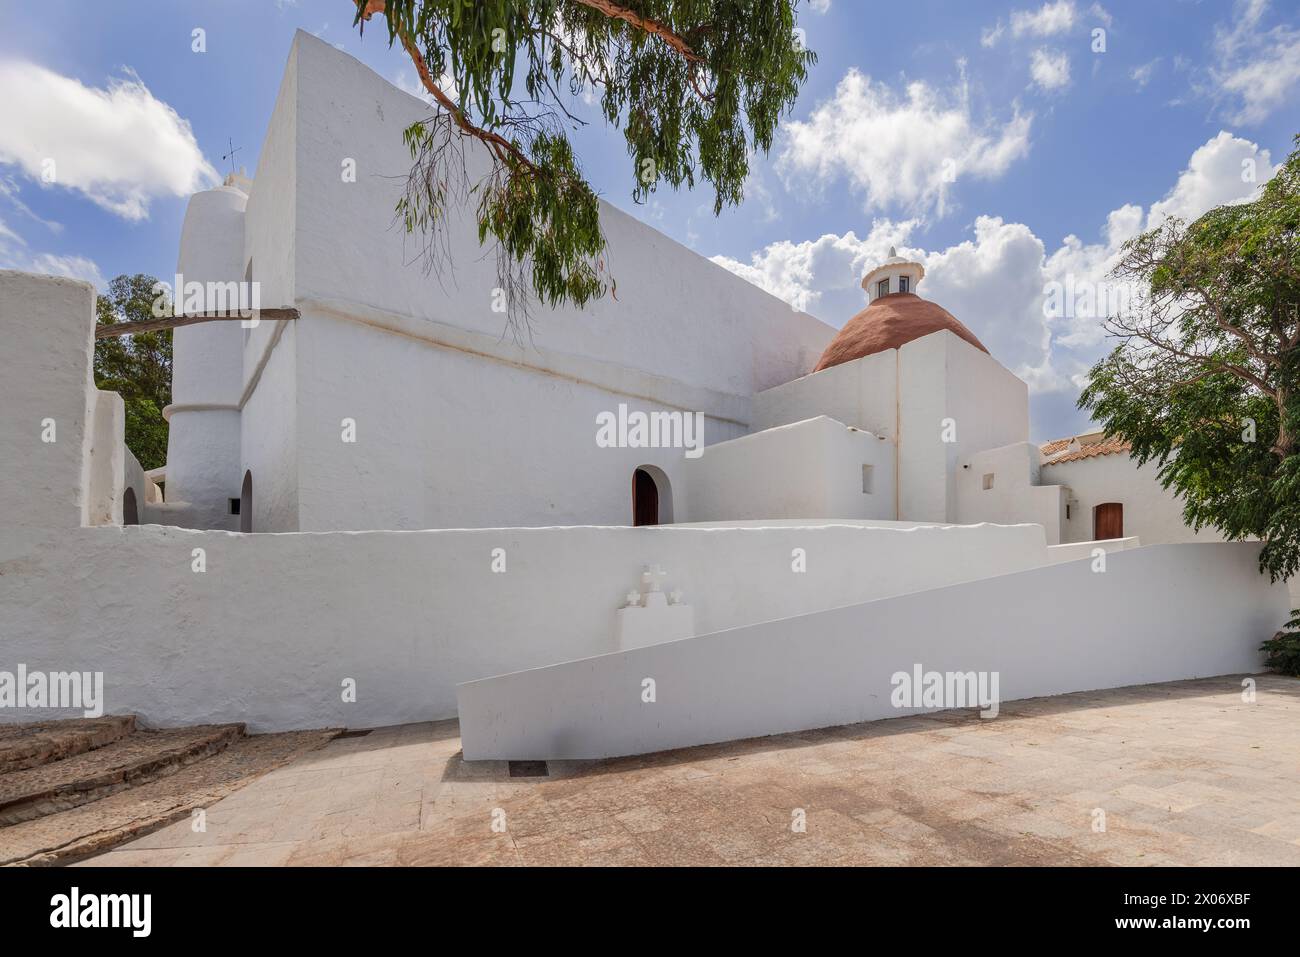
(1050, 69)
(1048, 20)
(819, 6)
(1256, 68)
(998, 279)
(901, 150)
(120, 146)
(1227, 169)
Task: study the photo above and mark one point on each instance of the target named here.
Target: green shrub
(1283, 649)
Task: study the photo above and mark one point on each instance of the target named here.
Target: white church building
(391, 490)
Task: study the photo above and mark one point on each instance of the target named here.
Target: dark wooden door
(1108, 521)
(645, 499)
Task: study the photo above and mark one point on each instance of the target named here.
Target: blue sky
(994, 141)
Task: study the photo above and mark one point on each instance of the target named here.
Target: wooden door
(1108, 521)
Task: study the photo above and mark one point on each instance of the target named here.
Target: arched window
(130, 510)
(652, 496)
(246, 504)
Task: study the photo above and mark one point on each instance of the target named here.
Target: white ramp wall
(1161, 613)
(273, 624)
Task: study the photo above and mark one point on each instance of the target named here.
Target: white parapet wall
(1160, 613)
(197, 626)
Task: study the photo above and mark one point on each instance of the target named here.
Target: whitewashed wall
(808, 470)
(1015, 495)
(862, 393)
(274, 625)
(1150, 512)
(941, 377)
(46, 326)
(834, 667)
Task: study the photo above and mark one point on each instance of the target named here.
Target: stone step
(140, 757)
(98, 826)
(33, 744)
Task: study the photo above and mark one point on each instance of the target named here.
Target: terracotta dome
(888, 323)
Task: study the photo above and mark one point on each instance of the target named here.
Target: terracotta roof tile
(1091, 446)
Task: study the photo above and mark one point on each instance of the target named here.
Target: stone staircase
(70, 789)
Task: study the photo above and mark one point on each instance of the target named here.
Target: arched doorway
(130, 510)
(246, 504)
(652, 496)
(1108, 521)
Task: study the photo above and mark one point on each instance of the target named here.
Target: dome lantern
(892, 276)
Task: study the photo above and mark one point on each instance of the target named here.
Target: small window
(988, 481)
(903, 283)
(234, 506)
(1067, 512)
(866, 479)
(882, 287)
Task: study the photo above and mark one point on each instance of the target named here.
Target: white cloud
(1050, 69)
(990, 36)
(1227, 169)
(1048, 20)
(121, 147)
(819, 6)
(899, 150)
(1142, 74)
(1256, 69)
(14, 254)
(995, 281)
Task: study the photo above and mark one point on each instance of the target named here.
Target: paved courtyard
(1184, 773)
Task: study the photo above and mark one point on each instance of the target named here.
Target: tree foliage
(137, 367)
(696, 86)
(1205, 380)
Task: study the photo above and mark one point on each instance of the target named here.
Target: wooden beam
(171, 322)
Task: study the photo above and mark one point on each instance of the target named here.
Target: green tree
(1205, 380)
(138, 367)
(696, 86)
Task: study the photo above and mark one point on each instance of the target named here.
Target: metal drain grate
(359, 733)
(529, 769)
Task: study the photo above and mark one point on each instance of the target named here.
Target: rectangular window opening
(903, 283)
(234, 506)
(988, 481)
(882, 288)
(867, 479)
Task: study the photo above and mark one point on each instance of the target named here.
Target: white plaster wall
(941, 376)
(860, 393)
(1150, 512)
(1076, 551)
(807, 470)
(107, 460)
(268, 633)
(1188, 611)
(269, 438)
(452, 439)
(676, 315)
(1015, 496)
(46, 325)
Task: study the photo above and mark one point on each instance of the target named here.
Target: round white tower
(207, 370)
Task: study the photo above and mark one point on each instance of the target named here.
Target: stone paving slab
(1185, 773)
(91, 828)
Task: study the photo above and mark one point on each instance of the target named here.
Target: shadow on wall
(246, 503)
